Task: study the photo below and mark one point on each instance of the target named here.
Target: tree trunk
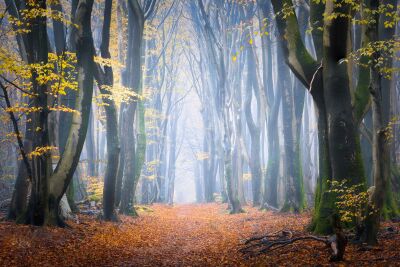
(41, 165)
(70, 157)
(294, 198)
(105, 79)
(380, 146)
(134, 82)
(255, 135)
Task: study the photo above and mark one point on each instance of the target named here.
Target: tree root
(258, 245)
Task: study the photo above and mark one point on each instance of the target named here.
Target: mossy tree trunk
(328, 83)
(69, 160)
(133, 74)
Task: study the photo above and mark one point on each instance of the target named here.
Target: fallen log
(258, 245)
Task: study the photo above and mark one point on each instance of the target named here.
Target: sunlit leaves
(28, 15)
(389, 131)
(352, 201)
(59, 72)
(94, 188)
(39, 151)
(387, 51)
(108, 62)
(121, 94)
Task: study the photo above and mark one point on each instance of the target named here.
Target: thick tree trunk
(70, 157)
(134, 72)
(337, 130)
(41, 165)
(323, 205)
(343, 141)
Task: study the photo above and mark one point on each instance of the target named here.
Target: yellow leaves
(121, 94)
(10, 64)
(143, 209)
(151, 167)
(27, 16)
(150, 30)
(352, 201)
(389, 130)
(387, 51)
(62, 108)
(108, 62)
(23, 108)
(94, 188)
(202, 155)
(247, 176)
(287, 11)
(234, 58)
(389, 24)
(39, 151)
(58, 73)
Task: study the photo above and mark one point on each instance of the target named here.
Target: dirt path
(184, 235)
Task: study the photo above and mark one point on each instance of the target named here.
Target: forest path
(182, 235)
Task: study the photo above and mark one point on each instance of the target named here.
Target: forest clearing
(182, 235)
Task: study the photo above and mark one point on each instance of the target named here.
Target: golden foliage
(94, 188)
(352, 201)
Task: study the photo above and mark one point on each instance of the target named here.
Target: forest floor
(183, 235)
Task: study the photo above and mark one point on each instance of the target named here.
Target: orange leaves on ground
(184, 235)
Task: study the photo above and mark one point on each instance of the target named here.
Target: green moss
(320, 222)
(323, 215)
(357, 173)
(390, 207)
(362, 95)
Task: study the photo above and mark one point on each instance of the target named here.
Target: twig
(17, 132)
(16, 86)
